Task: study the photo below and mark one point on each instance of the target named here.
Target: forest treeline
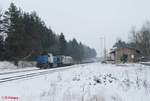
(24, 35)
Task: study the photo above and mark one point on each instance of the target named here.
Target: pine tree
(75, 52)
(13, 28)
(62, 44)
(2, 48)
(120, 44)
(1, 23)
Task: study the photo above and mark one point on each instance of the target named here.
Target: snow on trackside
(7, 66)
(88, 82)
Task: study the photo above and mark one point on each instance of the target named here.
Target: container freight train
(49, 61)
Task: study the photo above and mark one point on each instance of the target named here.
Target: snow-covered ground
(86, 82)
(7, 66)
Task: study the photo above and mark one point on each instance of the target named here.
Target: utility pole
(103, 48)
(105, 51)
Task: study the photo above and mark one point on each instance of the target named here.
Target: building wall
(130, 52)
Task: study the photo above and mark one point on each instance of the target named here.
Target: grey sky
(88, 20)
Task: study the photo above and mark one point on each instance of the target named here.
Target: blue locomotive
(49, 61)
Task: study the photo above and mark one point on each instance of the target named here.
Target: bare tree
(141, 39)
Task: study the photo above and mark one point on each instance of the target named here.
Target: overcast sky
(89, 20)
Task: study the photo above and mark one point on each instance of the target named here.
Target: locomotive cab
(45, 60)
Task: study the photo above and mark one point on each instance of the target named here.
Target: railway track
(17, 77)
(12, 72)
(29, 75)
